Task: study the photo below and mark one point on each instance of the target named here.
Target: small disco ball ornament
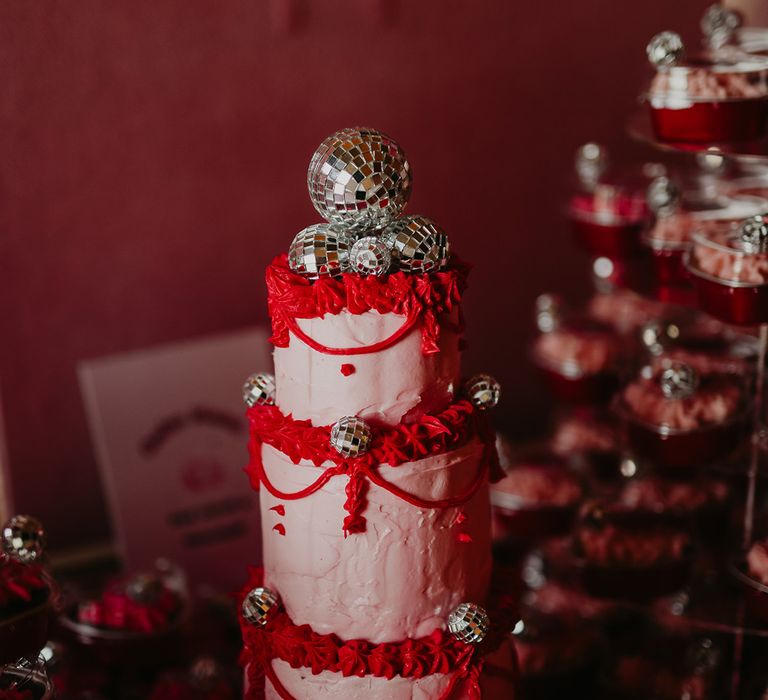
(23, 538)
(753, 234)
(359, 178)
(469, 623)
(665, 49)
(144, 588)
(548, 312)
(718, 25)
(591, 162)
(260, 606)
(417, 243)
(663, 196)
(483, 391)
(370, 256)
(678, 381)
(320, 250)
(259, 390)
(350, 436)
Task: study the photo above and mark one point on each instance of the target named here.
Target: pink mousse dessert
(730, 272)
(536, 499)
(579, 361)
(711, 98)
(590, 441)
(678, 419)
(623, 310)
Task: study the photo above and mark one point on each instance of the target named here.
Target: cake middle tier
(405, 572)
(385, 386)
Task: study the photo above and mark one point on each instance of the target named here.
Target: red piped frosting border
(301, 647)
(407, 442)
(425, 298)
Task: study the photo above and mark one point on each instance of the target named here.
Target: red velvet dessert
(630, 557)
(711, 98)
(533, 501)
(579, 362)
(677, 419)
(730, 272)
(136, 620)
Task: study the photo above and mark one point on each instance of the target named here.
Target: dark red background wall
(153, 158)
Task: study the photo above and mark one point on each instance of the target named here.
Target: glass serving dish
(26, 679)
(680, 424)
(671, 237)
(116, 646)
(715, 97)
(729, 270)
(579, 361)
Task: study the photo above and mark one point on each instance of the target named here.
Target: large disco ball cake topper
(359, 178)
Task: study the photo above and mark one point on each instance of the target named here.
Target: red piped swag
(427, 299)
(432, 434)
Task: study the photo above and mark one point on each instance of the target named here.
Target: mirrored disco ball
(350, 436)
(320, 250)
(359, 178)
(417, 243)
(469, 623)
(23, 538)
(370, 256)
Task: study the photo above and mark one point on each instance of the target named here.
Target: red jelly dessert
(631, 557)
(533, 501)
(579, 362)
(677, 419)
(136, 619)
(712, 98)
(730, 272)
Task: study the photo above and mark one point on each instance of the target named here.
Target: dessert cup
(590, 441)
(730, 277)
(712, 98)
(688, 430)
(159, 598)
(608, 221)
(579, 362)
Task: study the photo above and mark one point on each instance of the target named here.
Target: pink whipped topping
(675, 228)
(706, 83)
(614, 546)
(554, 598)
(716, 399)
(539, 484)
(610, 204)
(757, 561)
(662, 495)
(586, 352)
(731, 263)
(623, 310)
(577, 434)
(703, 362)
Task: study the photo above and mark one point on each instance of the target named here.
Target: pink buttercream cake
(400, 576)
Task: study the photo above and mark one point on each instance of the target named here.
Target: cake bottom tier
(497, 682)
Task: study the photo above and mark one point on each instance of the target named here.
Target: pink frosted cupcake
(579, 361)
(535, 500)
(677, 419)
(730, 272)
(711, 98)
